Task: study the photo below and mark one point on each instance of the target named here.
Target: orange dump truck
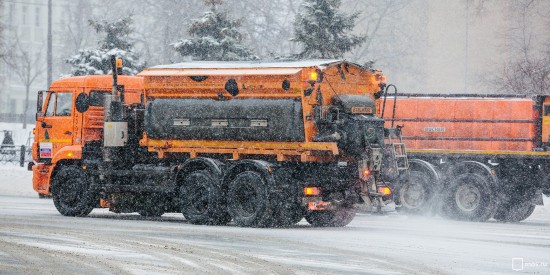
(262, 144)
(475, 156)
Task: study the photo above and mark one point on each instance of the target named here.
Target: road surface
(35, 238)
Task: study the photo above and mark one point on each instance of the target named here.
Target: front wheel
(71, 192)
(416, 194)
(330, 218)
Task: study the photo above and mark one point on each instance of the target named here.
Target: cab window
(64, 104)
(59, 104)
(546, 110)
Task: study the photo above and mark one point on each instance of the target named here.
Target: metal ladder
(398, 150)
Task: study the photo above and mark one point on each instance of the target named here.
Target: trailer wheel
(71, 192)
(514, 212)
(330, 218)
(248, 200)
(416, 194)
(202, 199)
(470, 197)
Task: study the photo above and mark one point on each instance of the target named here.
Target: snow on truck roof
(239, 67)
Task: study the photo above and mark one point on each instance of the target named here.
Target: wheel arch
(57, 167)
(476, 167)
(424, 166)
(216, 167)
(260, 166)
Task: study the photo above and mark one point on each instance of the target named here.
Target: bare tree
(526, 47)
(528, 70)
(27, 64)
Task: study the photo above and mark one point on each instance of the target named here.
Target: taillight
(312, 191)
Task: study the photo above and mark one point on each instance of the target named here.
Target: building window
(37, 18)
(12, 12)
(24, 15)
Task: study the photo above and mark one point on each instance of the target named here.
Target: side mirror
(39, 104)
(39, 101)
(82, 103)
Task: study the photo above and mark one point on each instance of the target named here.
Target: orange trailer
(475, 156)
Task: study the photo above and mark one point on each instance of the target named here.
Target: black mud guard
(263, 167)
(422, 165)
(216, 167)
(470, 165)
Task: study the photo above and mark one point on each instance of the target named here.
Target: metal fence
(8, 117)
(15, 154)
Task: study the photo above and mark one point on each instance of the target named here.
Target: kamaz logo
(434, 129)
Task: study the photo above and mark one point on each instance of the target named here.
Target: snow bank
(16, 181)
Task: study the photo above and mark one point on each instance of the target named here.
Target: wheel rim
(246, 198)
(199, 195)
(468, 197)
(70, 192)
(413, 195)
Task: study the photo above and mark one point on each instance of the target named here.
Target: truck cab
(61, 132)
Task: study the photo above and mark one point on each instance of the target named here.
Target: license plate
(361, 110)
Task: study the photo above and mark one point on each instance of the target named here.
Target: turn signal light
(312, 191)
(366, 172)
(384, 190)
(313, 76)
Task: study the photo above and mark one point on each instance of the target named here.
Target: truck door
(55, 127)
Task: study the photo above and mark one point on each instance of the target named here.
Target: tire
(416, 195)
(71, 192)
(286, 198)
(470, 197)
(514, 212)
(332, 218)
(202, 199)
(248, 200)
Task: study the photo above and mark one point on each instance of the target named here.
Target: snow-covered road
(35, 238)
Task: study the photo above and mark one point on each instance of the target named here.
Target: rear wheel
(514, 212)
(286, 199)
(71, 192)
(202, 199)
(470, 197)
(330, 218)
(248, 200)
